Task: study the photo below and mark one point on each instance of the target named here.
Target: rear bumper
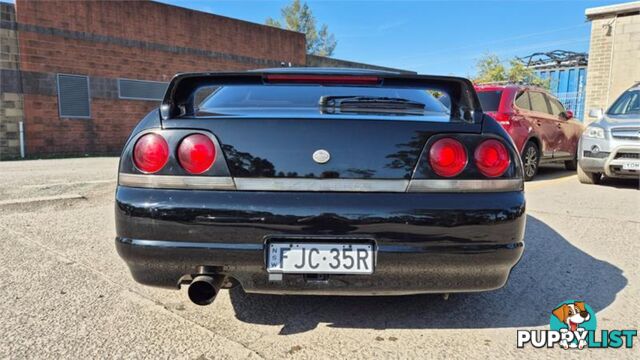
(426, 242)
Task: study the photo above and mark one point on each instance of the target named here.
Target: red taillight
(322, 79)
(150, 153)
(503, 119)
(492, 158)
(447, 157)
(196, 153)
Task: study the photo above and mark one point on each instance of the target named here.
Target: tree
(298, 17)
(491, 69)
(520, 73)
(326, 42)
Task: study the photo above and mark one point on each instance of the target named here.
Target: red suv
(541, 128)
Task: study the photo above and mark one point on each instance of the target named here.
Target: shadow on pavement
(552, 171)
(620, 183)
(552, 270)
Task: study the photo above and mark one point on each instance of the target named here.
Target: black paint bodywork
(281, 147)
(426, 242)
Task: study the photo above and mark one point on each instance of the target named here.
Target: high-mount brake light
(492, 158)
(196, 153)
(150, 153)
(321, 79)
(447, 157)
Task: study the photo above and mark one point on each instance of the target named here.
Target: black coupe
(320, 181)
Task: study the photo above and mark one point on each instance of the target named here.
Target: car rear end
(497, 101)
(320, 182)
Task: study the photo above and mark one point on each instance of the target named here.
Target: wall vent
(73, 96)
(141, 89)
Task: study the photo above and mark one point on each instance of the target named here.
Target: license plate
(312, 258)
(631, 166)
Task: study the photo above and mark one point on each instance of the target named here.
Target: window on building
(141, 89)
(73, 96)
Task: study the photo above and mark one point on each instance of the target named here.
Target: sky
(433, 37)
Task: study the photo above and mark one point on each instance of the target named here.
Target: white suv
(610, 146)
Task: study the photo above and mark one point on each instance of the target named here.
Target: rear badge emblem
(321, 156)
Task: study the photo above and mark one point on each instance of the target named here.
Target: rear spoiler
(179, 98)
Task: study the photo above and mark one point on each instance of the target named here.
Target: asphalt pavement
(65, 293)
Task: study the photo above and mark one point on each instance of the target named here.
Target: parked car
(320, 181)
(542, 129)
(610, 146)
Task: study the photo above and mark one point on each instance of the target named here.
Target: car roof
(493, 86)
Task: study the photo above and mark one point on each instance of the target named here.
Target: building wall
(107, 40)
(11, 109)
(614, 58)
(568, 84)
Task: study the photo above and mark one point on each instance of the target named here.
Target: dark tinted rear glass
(490, 100)
(285, 96)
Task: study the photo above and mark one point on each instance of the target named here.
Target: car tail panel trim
(315, 185)
(449, 185)
(177, 182)
(342, 185)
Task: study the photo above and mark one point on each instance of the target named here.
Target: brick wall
(614, 58)
(626, 56)
(11, 107)
(107, 40)
(164, 24)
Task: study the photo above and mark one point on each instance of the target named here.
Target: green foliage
(325, 43)
(491, 69)
(520, 73)
(299, 17)
(273, 22)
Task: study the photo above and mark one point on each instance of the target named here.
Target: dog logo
(321, 156)
(572, 325)
(575, 317)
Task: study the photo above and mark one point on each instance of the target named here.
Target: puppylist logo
(573, 326)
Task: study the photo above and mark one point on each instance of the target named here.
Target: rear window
(285, 96)
(490, 100)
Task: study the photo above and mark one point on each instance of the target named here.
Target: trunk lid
(284, 147)
(271, 129)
